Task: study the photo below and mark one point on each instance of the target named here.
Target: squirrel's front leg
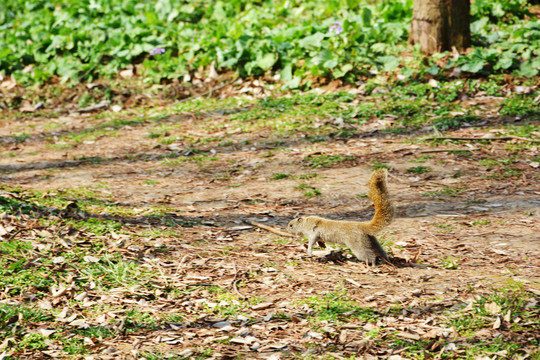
(312, 238)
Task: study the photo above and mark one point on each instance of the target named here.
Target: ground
(139, 224)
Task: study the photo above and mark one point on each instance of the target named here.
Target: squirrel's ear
(300, 219)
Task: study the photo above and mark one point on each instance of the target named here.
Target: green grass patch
(419, 170)
(454, 122)
(27, 314)
(95, 226)
(337, 306)
(512, 300)
(447, 191)
(323, 160)
(376, 165)
(113, 271)
(520, 105)
(421, 159)
(280, 176)
(309, 191)
(201, 160)
(18, 273)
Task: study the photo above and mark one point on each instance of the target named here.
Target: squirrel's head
(294, 224)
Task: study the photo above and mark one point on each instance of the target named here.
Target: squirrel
(359, 236)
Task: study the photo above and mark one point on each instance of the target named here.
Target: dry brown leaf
(431, 334)
(58, 292)
(45, 304)
(90, 258)
(58, 260)
(342, 336)
(492, 308)
(262, 306)
(408, 335)
(508, 316)
(497, 323)
(46, 332)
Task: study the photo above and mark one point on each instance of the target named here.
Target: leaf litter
(176, 272)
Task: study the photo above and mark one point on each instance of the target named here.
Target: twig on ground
(510, 137)
(12, 236)
(195, 94)
(271, 229)
(354, 282)
(99, 106)
(446, 150)
(235, 281)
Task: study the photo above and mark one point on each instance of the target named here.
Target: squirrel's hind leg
(361, 249)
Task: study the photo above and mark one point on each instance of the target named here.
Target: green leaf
(473, 66)
(434, 70)
(294, 83)
(528, 69)
(312, 41)
(477, 26)
(219, 12)
(174, 13)
(408, 71)
(323, 57)
(504, 63)
(498, 10)
(389, 62)
(342, 71)
(286, 73)
(378, 47)
(330, 64)
(366, 16)
(267, 61)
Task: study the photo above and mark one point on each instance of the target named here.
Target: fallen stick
(446, 150)
(482, 139)
(279, 232)
(271, 229)
(235, 281)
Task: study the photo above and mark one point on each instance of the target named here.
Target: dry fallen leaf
(58, 292)
(58, 260)
(492, 308)
(262, 306)
(508, 316)
(497, 323)
(45, 305)
(46, 332)
(90, 258)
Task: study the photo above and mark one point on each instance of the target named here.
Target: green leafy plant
(331, 39)
(450, 263)
(312, 192)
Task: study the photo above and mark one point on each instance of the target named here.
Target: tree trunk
(440, 25)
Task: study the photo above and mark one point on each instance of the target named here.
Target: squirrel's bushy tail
(378, 193)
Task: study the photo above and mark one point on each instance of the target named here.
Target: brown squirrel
(358, 236)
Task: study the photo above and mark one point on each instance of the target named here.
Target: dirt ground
(488, 225)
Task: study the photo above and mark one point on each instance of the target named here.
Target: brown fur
(359, 236)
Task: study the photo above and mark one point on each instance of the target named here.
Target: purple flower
(337, 27)
(157, 51)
